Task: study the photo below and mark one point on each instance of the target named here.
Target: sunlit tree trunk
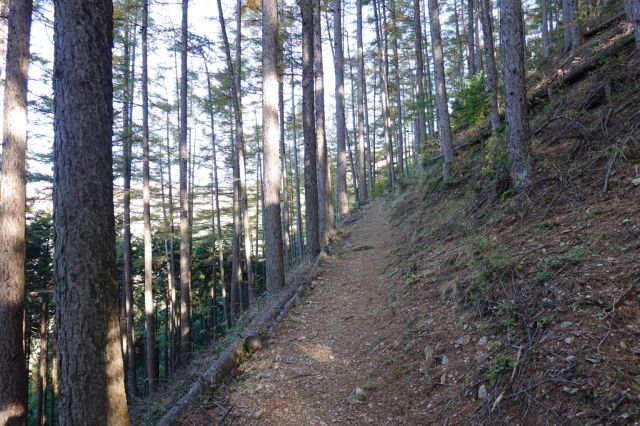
(91, 374)
(361, 165)
(274, 260)
(341, 126)
(13, 376)
(185, 255)
(544, 27)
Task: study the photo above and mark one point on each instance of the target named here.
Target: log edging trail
(266, 322)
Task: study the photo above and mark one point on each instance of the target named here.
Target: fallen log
(578, 71)
(590, 32)
(273, 312)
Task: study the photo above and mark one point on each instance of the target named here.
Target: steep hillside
(529, 303)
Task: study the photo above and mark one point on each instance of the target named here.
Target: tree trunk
(300, 238)
(150, 320)
(632, 7)
(515, 94)
(361, 165)
(13, 373)
(185, 255)
(471, 45)
(572, 35)
(309, 129)
(444, 125)
(91, 391)
(286, 243)
(399, 115)
(384, 96)
(420, 95)
(42, 370)
(341, 126)
(490, 59)
(544, 28)
(274, 260)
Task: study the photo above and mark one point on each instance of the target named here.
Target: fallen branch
(229, 360)
(578, 71)
(603, 26)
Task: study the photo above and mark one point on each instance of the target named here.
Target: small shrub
(470, 105)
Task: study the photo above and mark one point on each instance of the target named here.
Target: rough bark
(274, 260)
(515, 94)
(309, 129)
(91, 373)
(444, 124)
(490, 59)
(185, 255)
(13, 388)
(361, 165)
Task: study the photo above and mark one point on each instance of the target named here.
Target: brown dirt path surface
(338, 337)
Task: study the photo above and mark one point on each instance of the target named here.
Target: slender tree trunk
(545, 28)
(492, 72)
(362, 171)
(384, 97)
(13, 373)
(515, 94)
(444, 125)
(286, 243)
(399, 112)
(300, 238)
(471, 42)
(91, 391)
(341, 159)
(129, 337)
(42, 370)
(168, 247)
(309, 129)
(185, 255)
(274, 259)
(325, 209)
(354, 125)
(150, 320)
(420, 95)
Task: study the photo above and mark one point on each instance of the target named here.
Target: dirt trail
(334, 340)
